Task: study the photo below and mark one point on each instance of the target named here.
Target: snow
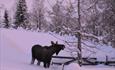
(99, 67)
(72, 66)
(15, 48)
(15, 51)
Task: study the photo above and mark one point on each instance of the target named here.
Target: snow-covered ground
(15, 51)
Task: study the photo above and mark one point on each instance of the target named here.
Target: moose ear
(56, 42)
(52, 42)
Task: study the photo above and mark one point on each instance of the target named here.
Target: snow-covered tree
(71, 17)
(97, 18)
(109, 20)
(0, 19)
(38, 14)
(1, 15)
(21, 16)
(6, 19)
(57, 17)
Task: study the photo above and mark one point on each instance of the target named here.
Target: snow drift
(15, 49)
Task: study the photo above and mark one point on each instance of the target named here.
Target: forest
(94, 18)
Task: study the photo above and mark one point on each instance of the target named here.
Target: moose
(44, 53)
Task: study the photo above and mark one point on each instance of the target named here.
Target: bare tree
(57, 17)
(38, 14)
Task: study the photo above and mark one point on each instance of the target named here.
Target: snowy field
(15, 51)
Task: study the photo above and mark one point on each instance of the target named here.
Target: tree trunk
(79, 36)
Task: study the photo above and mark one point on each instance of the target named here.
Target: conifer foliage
(6, 19)
(21, 15)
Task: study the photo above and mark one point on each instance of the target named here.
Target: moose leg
(32, 61)
(48, 64)
(45, 64)
(38, 63)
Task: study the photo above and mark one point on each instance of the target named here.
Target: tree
(79, 35)
(99, 18)
(71, 18)
(21, 17)
(57, 17)
(110, 21)
(6, 19)
(1, 17)
(38, 14)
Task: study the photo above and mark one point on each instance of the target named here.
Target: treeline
(97, 17)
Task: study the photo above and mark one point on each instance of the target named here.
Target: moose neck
(54, 49)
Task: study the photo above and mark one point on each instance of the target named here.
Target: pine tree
(0, 19)
(6, 20)
(21, 15)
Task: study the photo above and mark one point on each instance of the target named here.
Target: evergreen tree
(21, 15)
(6, 20)
(0, 20)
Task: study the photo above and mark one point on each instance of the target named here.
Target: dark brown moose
(44, 53)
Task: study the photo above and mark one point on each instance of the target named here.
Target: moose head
(58, 47)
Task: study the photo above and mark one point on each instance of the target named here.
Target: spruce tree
(6, 20)
(21, 14)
